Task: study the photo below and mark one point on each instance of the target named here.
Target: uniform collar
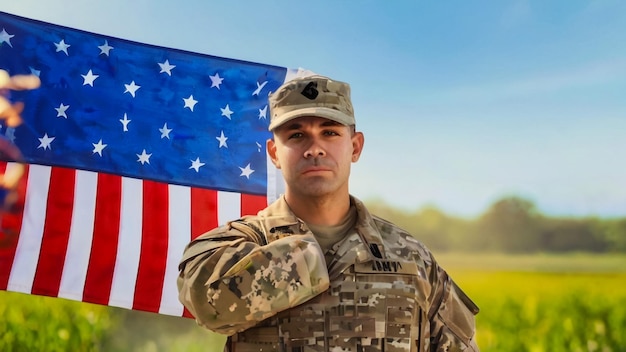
(279, 218)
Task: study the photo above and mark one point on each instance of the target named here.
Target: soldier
(315, 271)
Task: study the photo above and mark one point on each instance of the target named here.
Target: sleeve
(230, 279)
(452, 315)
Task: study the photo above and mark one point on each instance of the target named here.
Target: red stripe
(251, 204)
(203, 211)
(55, 232)
(153, 257)
(11, 225)
(203, 217)
(187, 313)
(105, 238)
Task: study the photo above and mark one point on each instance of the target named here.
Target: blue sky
(461, 102)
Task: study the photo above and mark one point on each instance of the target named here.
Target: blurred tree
(431, 226)
(566, 235)
(510, 225)
(612, 231)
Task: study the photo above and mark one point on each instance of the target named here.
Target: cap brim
(326, 113)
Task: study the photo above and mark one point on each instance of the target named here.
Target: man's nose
(314, 150)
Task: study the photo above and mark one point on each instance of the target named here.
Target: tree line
(511, 225)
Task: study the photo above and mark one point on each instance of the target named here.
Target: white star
(246, 171)
(259, 87)
(98, 147)
(45, 142)
(190, 102)
(258, 147)
(216, 80)
(165, 132)
(89, 78)
(222, 140)
(226, 111)
(105, 48)
(196, 164)
(125, 123)
(61, 46)
(263, 113)
(166, 67)
(34, 71)
(6, 37)
(10, 134)
(131, 88)
(143, 157)
(61, 110)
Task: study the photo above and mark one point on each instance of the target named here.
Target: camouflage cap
(311, 96)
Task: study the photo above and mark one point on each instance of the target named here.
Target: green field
(528, 303)
(545, 302)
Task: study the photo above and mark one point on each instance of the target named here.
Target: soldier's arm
(230, 279)
(452, 315)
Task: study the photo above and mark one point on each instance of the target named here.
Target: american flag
(132, 150)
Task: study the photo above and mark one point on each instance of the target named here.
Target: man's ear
(358, 139)
(270, 145)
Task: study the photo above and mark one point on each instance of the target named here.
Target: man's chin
(316, 188)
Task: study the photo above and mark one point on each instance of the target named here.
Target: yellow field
(545, 303)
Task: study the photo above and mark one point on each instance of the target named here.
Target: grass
(542, 262)
(570, 302)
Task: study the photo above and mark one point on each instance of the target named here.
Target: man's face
(314, 155)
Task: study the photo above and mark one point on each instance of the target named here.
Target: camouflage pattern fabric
(263, 281)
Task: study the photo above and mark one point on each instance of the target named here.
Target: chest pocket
(373, 306)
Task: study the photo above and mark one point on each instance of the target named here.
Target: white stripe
(179, 234)
(81, 236)
(228, 207)
(293, 73)
(275, 182)
(129, 244)
(31, 234)
(271, 180)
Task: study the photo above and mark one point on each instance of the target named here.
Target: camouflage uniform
(264, 281)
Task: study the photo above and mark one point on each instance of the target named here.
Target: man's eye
(295, 135)
(331, 133)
